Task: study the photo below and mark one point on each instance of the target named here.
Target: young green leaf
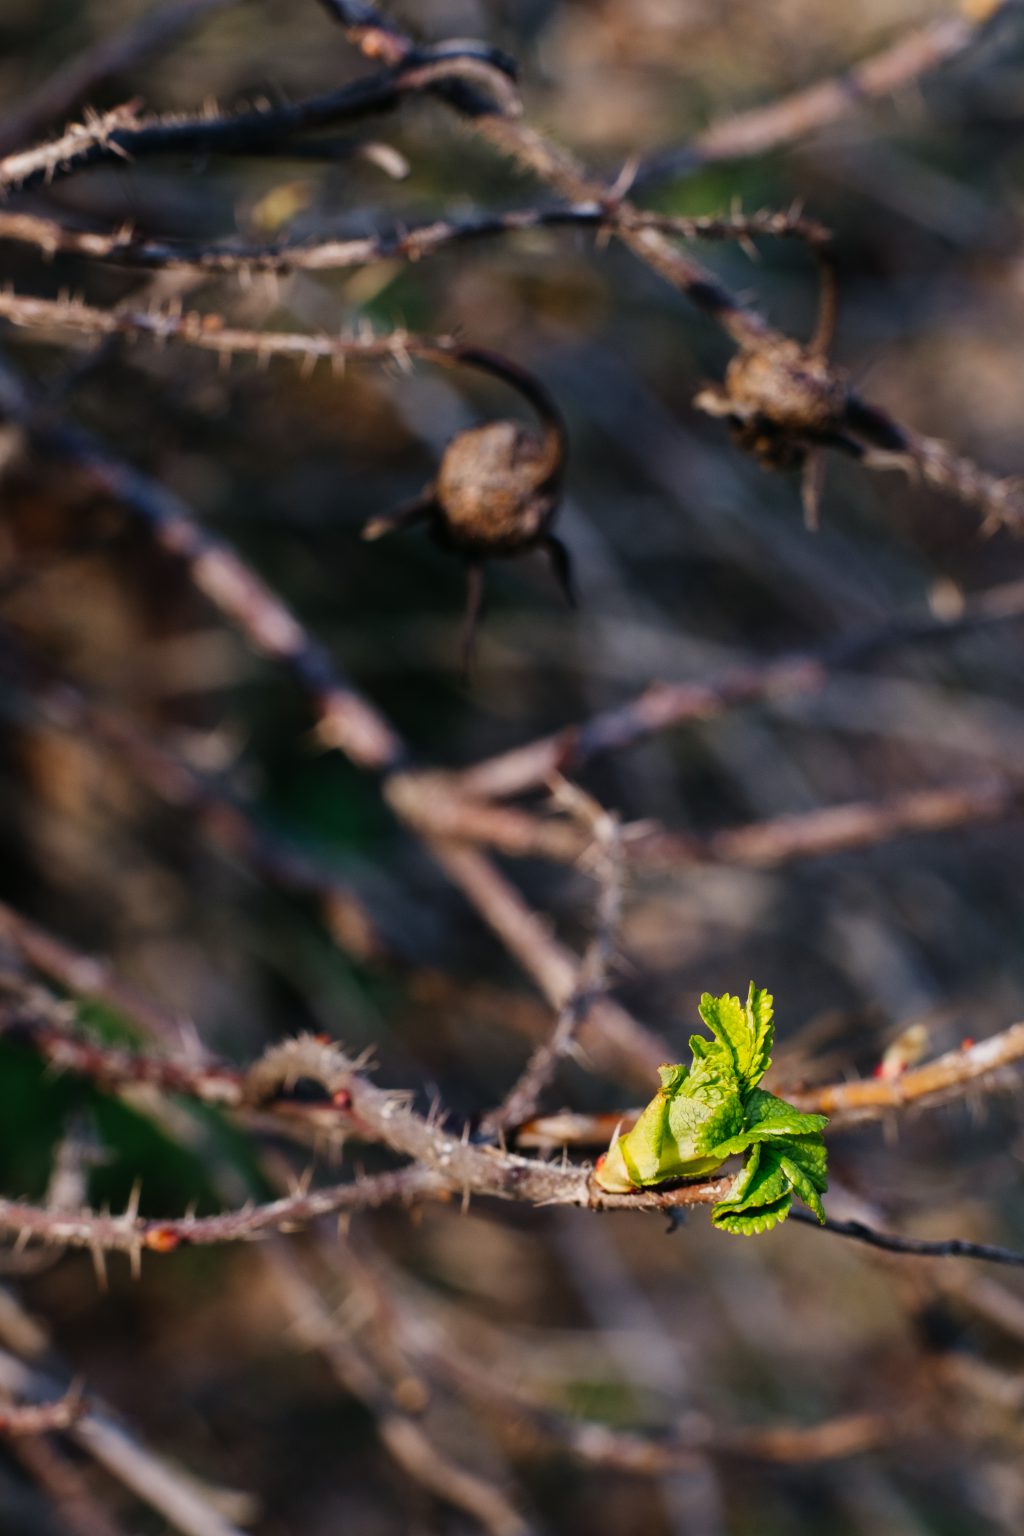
(703, 1115)
(743, 1031)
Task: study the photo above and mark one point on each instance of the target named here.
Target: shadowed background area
(172, 797)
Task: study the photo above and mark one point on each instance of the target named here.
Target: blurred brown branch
(112, 55)
(786, 404)
(788, 119)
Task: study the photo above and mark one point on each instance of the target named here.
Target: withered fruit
(496, 494)
(781, 400)
(496, 489)
(784, 404)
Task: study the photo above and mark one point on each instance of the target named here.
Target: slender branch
(605, 854)
(986, 1066)
(988, 1063)
(917, 1247)
(86, 976)
(66, 1486)
(437, 807)
(124, 136)
(209, 333)
(403, 243)
(180, 1498)
(133, 1235)
(665, 705)
(612, 1039)
(223, 819)
(403, 1436)
(788, 119)
(18, 1419)
(87, 71)
(650, 1455)
(346, 720)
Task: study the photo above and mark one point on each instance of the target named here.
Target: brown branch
(614, 1042)
(605, 855)
(66, 1486)
(989, 1066)
(125, 136)
(346, 720)
(180, 1498)
(42, 1418)
(215, 812)
(87, 71)
(435, 805)
(86, 976)
(806, 111)
(665, 705)
(404, 243)
(656, 1455)
(403, 1436)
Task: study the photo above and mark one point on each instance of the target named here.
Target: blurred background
(690, 560)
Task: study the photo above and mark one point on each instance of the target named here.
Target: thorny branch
(443, 1164)
(111, 56)
(123, 136)
(604, 853)
(785, 403)
(991, 1065)
(404, 243)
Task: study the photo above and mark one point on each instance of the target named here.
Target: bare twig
(986, 1066)
(346, 720)
(404, 243)
(85, 976)
(438, 806)
(605, 856)
(613, 1040)
(215, 812)
(179, 1498)
(986, 1063)
(87, 71)
(665, 705)
(917, 1247)
(405, 1438)
(788, 119)
(42, 1418)
(67, 1488)
(125, 136)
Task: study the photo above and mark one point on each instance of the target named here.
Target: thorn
(811, 483)
(99, 1264)
(131, 1210)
